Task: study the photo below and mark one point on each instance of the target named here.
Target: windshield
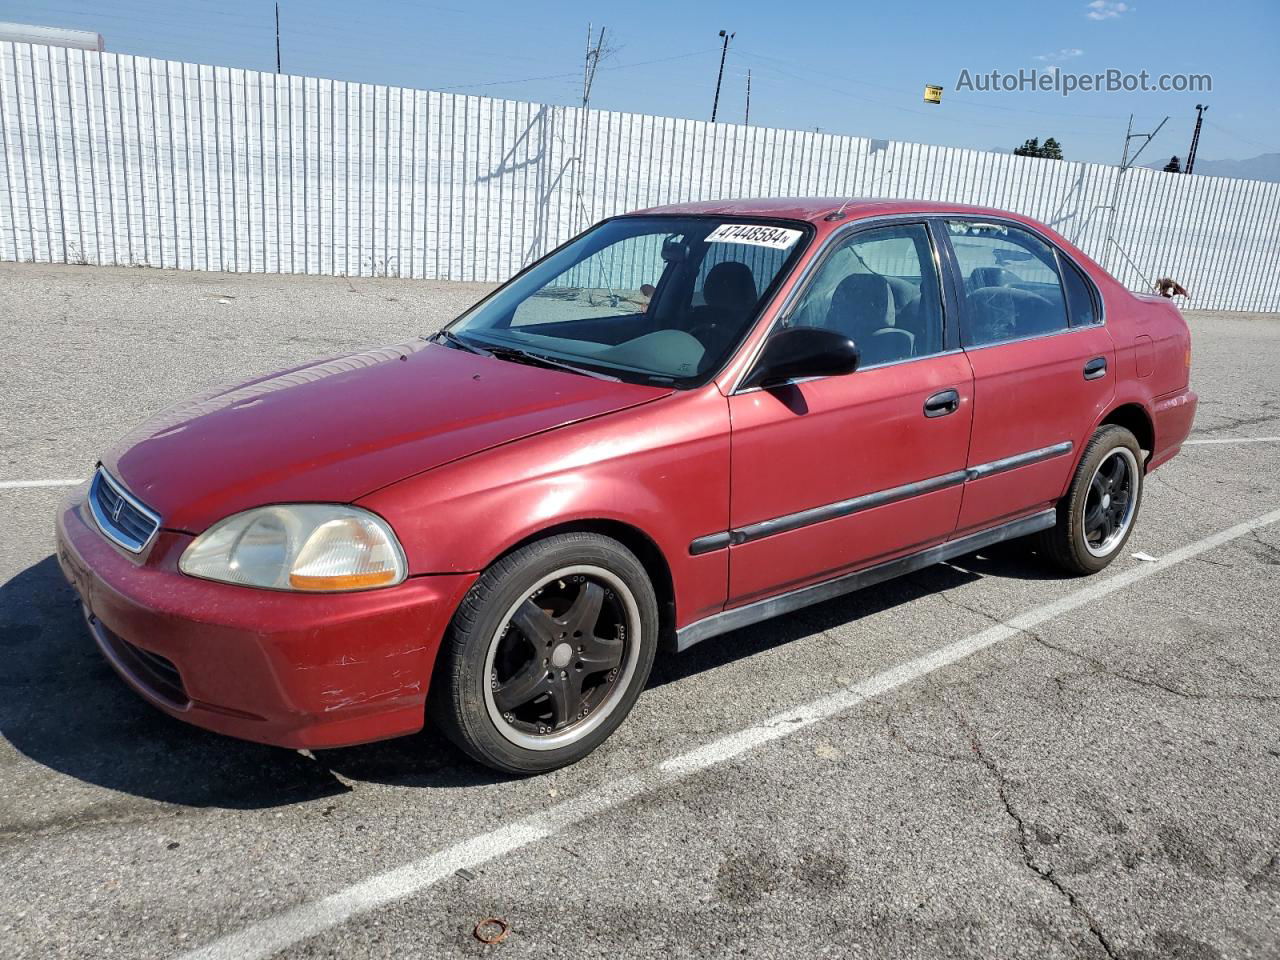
(640, 298)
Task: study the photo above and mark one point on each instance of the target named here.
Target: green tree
(1174, 165)
(1049, 150)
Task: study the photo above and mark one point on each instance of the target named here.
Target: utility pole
(589, 65)
(1126, 162)
(1195, 137)
(746, 119)
(277, 38)
(715, 104)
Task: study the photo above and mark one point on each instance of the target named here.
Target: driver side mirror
(794, 353)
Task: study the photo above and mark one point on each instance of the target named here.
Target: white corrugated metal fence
(115, 159)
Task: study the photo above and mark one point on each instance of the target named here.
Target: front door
(1043, 373)
(836, 473)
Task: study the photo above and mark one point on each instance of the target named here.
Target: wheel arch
(638, 542)
(1134, 418)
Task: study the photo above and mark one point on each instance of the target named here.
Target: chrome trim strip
(796, 599)
(104, 525)
(843, 508)
(1018, 460)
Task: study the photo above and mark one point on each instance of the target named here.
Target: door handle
(942, 403)
(1096, 368)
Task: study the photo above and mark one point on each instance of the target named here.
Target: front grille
(120, 517)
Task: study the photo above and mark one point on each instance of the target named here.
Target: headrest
(730, 286)
(864, 300)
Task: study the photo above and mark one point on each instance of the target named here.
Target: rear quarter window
(1083, 301)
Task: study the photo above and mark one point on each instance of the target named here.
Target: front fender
(662, 468)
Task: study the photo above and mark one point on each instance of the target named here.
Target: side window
(1011, 285)
(1082, 300)
(880, 288)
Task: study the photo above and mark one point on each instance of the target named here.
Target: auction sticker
(755, 235)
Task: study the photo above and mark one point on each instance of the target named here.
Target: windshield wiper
(516, 355)
(450, 337)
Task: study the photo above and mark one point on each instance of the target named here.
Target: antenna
(839, 214)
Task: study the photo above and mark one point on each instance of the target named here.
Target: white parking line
(1234, 440)
(18, 484)
(267, 937)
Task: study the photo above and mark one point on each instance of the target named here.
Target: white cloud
(1066, 53)
(1107, 9)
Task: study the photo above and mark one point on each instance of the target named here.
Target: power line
(575, 74)
(934, 117)
(950, 99)
(1272, 148)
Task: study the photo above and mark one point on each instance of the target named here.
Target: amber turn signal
(350, 581)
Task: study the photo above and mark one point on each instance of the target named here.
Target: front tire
(547, 653)
(1097, 515)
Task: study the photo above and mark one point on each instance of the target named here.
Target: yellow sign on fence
(932, 93)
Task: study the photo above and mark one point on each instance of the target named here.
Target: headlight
(311, 547)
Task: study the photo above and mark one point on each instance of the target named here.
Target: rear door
(1040, 381)
(835, 473)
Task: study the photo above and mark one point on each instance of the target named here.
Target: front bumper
(294, 670)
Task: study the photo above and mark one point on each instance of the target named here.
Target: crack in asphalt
(1024, 845)
(1240, 422)
(895, 734)
(1172, 487)
(1269, 548)
(1267, 877)
(1099, 667)
(1024, 835)
(57, 828)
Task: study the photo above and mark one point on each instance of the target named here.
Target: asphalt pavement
(983, 759)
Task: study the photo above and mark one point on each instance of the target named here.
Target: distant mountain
(1265, 166)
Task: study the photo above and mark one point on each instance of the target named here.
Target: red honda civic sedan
(682, 421)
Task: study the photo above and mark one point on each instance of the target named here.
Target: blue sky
(845, 67)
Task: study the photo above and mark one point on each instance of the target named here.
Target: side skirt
(816, 593)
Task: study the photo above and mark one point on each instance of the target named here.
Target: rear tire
(1098, 513)
(547, 653)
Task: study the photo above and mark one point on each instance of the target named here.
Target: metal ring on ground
(484, 933)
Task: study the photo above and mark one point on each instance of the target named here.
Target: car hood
(337, 430)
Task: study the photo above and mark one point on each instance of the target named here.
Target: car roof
(815, 209)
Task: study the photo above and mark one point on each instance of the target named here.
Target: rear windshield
(650, 299)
